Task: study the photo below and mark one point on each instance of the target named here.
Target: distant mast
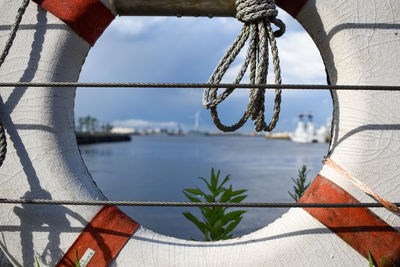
(309, 115)
(301, 115)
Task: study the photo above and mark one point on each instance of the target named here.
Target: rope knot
(253, 10)
(257, 16)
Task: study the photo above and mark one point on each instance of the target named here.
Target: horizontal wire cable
(190, 204)
(200, 85)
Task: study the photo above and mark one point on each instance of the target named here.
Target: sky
(187, 49)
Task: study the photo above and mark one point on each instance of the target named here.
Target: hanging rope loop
(257, 16)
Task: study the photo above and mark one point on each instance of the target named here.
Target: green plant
(384, 261)
(300, 185)
(76, 261)
(371, 263)
(217, 223)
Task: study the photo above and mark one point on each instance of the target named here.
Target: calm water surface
(159, 167)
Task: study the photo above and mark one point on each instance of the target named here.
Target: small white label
(86, 257)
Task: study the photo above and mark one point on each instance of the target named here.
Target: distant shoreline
(85, 138)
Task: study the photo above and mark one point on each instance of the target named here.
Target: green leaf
(214, 180)
(218, 211)
(371, 263)
(216, 230)
(219, 191)
(238, 192)
(209, 216)
(224, 181)
(231, 226)
(293, 196)
(37, 262)
(206, 209)
(220, 233)
(194, 191)
(201, 226)
(191, 198)
(76, 259)
(210, 198)
(226, 195)
(238, 199)
(206, 182)
(233, 215)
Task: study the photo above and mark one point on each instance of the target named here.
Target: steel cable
(201, 85)
(189, 204)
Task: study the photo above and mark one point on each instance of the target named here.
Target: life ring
(359, 43)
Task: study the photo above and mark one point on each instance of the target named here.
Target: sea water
(159, 167)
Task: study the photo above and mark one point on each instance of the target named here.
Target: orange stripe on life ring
(359, 227)
(88, 18)
(103, 237)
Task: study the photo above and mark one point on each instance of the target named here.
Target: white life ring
(360, 45)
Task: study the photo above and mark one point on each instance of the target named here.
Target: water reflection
(95, 150)
(160, 167)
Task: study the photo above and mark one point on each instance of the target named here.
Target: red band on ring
(88, 18)
(106, 234)
(359, 227)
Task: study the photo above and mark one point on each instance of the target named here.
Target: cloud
(229, 24)
(137, 123)
(300, 59)
(134, 26)
(300, 62)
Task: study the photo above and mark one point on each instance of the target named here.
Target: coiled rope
(257, 16)
(4, 53)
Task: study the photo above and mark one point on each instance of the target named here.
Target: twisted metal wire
(189, 204)
(257, 16)
(202, 85)
(4, 53)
